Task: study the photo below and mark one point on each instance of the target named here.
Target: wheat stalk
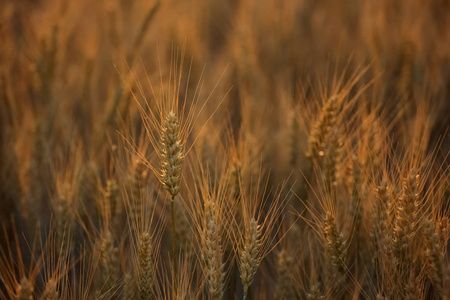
(293, 142)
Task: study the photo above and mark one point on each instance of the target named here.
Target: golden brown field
(224, 149)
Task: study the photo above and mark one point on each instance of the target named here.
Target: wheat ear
(337, 251)
(111, 199)
(212, 252)
(406, 217)
(285, 264)
(129, 287)
(172, 161)
(322, 127)
(379, 235)
(413, 289)
(24, 290)
(249, 256)
(109, 262)
(145, 266)
(51, 292)
(137, 184)
(433, 254)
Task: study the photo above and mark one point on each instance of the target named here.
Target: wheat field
(224, 149)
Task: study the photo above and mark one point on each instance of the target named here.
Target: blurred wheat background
(234, 149)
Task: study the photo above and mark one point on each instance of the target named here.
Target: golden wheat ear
(108, 265)
(172, 155)
(434, 255)
(145, 266)
(336, 247)
(285, 270)
(206, 204)
(212, 251)
(249, 255)
(257, 237)
(405, 227)
(51, 291)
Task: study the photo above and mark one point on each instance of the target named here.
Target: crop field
(224, 149)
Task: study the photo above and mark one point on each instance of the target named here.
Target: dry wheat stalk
(293, 142)
(182, 227)
(145, 25)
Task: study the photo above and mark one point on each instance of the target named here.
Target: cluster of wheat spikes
(235, 149)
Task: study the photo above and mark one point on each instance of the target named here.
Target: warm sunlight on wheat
(224, 149)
